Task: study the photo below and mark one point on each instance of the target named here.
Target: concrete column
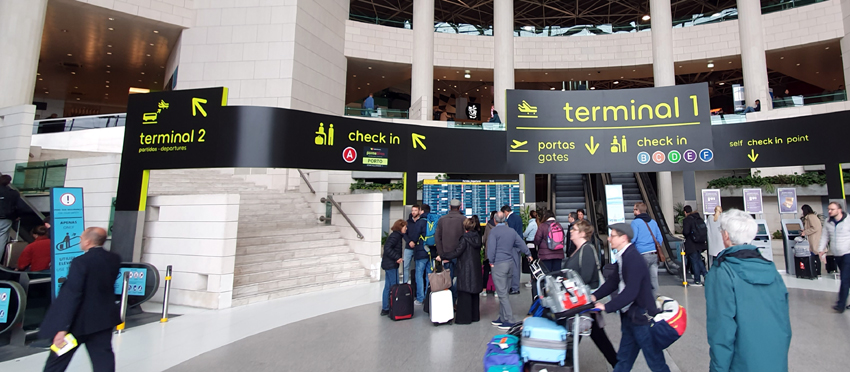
(503, 60)
(664, 75)
(15, 136)
(21, 24)
(752, 54)
(845, 41)
(422, 72)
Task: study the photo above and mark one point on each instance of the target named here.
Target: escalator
(576, 191)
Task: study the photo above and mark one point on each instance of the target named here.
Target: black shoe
(514, 292)
(385, 312)
(848, 307)
(838, 309)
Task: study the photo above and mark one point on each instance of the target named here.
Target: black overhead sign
(628, 130)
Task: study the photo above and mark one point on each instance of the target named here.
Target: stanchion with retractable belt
(166, 295)
(684, 270)
(125, 286)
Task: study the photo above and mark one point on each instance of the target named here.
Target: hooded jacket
(415, 233)
(470, 278)
(541, 241)
(393, 249)
(689, 225)
(748, 325)
(643, 238)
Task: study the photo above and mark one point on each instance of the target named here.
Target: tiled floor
(341, 330)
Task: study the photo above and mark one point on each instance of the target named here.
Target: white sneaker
(528, 285)
(417, 302)
(496, 295)
(484, 294)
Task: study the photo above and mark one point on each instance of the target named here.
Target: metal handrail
(304, 177)
(339, 208)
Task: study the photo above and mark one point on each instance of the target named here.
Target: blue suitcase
(543, 341)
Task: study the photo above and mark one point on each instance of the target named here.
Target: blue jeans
(408, 258)
(697, 266)
(636, 338)
(422, 267)
(844, 267)
(390, 279)
(451, 265)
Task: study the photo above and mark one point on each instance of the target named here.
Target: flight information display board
(476, 197)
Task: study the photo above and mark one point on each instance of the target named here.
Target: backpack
(556, 237)
(699, 233)
(430, 229)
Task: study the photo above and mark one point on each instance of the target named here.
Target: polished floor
(341, 330)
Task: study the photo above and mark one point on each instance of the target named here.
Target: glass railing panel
(728, 119)
(40, 176)
(54, 125)
(377, 113)
(811, 99)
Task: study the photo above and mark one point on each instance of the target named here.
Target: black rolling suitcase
(550, 367)
(806, 267)
(401, 300)
(831, 265)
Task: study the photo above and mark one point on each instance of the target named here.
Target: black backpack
(699, 232)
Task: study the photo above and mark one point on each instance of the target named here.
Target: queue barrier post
(125, 286)
(684, 270)
(166, 295)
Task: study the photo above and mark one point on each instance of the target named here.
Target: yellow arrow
(753, 156)
(196, 106)
(417, 140)
(591, 147)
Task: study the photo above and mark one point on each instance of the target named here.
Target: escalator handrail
(589, 203)
(648, 193)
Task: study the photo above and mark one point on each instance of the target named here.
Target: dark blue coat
(415, 233)
(515, 222)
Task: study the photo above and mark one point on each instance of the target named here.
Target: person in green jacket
(748, 325)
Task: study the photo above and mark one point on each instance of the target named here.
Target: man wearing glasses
(836, 232)
(646, 235)
(635, 302)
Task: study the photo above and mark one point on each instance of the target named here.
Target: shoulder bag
(658, 249)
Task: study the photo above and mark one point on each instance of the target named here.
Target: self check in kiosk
(791, 229)
(762, 241)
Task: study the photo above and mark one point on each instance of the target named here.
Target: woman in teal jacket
(748, 325)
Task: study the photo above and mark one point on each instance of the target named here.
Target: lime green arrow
(196, 106)
(591, 147)
(753, 156)
(417, 140)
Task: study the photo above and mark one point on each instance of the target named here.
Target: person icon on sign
(320, 135)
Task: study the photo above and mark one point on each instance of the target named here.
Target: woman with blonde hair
(715, 239)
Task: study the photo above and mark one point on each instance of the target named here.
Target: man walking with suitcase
(503, 245)
(836, 232)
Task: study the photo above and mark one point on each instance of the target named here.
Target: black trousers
(597, 334)
(467, 308)
(99, 346)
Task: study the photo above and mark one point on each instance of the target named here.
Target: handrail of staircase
(330, 198)
(304, 177)
(590, 203)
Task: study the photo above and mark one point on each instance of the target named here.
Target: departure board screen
(476, 197)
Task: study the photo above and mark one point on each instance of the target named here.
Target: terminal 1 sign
(628, 130)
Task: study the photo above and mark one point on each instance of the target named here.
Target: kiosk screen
(762, 230)
(794, 228)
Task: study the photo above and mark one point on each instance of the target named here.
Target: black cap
(624, 229)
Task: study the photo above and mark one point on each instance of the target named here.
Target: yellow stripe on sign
(224, 97)
(404, 191)
(841, 173)
(623, 127)
(143, 195)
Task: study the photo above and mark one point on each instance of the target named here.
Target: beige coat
(813, 232)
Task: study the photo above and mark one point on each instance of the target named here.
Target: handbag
(441, 278)
(658, 250)
(595, 268)
(669, 324)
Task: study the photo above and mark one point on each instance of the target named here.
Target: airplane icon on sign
(518, 144)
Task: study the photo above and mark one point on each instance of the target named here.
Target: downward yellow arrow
(591, 147)
(753, 156)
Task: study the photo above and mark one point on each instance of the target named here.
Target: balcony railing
(54, 125)
(379, 112)
(811, 99)
(38, 177)
(601, 29)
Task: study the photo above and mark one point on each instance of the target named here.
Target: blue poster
(66, 211)
(136, 285)
(4, 304)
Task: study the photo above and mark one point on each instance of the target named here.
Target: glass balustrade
(39, 176)
(810, 99)
(586, 30)
(54, 125)
(379, 112)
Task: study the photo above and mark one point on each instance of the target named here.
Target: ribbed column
(753, 60)
(422, 72)
(503, 60)
(21, 24)
(664, 75)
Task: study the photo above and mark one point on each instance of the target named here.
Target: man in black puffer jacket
(695, 243)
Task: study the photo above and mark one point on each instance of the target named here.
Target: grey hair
(500, 217)
(740, 226)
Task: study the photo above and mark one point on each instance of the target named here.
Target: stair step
(258, 222)
(271, 249)
(290, 230)
(250, 299)
(286, 258)
(298, 277)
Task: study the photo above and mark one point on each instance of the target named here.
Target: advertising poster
(616, 213)
(787, 200)
(752, 201)
(4, 304)
(710, 200)
(66, 209)
(136, 286)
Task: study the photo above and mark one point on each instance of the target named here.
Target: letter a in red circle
(349, 154)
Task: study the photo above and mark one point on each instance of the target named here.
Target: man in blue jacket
(503, 246)
(747, 320)
(514, 221)
(646, 234)
(634, 301)
(415, 251)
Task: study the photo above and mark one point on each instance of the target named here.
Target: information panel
(136, 285)
(66, 210)
(787, 200)
(753, 202)
(5, 293)
(710, 200)
(476, 197)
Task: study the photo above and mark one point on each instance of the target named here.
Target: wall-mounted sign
(5, 295)
(753, 202)
(66, 211)
(628, 130)
(787, 198)
(136, 284)
(710, 200)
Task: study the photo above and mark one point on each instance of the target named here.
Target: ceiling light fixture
(467, 76)
(552, 88)
(109, 53)
(645, 17)
(781, 57)
(721, 83)
(370, 67)
(155, 31)
(528, 28)
(710, 65)
(74, 73)
(40, 79)
(798, 64)
(111, 29)
(592, 88)
(111, 19)
(826, 48)
(46, 92)
(139, 90)
(616, 82)
(151, 44)
(107, 86)
(109, 45)
(78, 99)
(148, 55)
(69, 54)
(108, 66)
(143, 72)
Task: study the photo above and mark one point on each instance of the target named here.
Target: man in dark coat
(514, 221)
(85, 306)
(447, 237)
(694, 249)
